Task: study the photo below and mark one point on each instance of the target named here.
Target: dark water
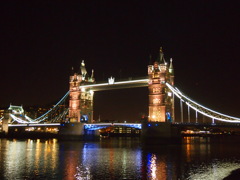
(119, 158)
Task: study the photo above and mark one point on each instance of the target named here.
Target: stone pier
(76, 131)
(160, 132)
(5, 121)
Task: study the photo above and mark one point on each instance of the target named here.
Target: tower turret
(161, 56)
(92, 79)
(171, 71)
(83, 70)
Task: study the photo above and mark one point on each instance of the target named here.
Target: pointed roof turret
(92, 76)
(161, 59)
(83, 68)
(171, 67)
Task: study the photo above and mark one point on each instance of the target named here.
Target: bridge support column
(76, 131)
(213, 121)
(5, 121)
(160, 132)
(68, 131)
(91, 135)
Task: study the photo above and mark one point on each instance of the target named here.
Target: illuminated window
(156, 101)
(155, 75)
(156, 90)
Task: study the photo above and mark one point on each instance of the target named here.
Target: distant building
(16, 110)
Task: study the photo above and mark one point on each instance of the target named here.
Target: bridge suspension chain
(45, 115)
(202, 109)
(60, 116)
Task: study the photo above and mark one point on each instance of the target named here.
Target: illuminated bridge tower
(161, 100)
(80, 99)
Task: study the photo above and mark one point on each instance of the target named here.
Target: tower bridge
(161, 100)
(162, 94)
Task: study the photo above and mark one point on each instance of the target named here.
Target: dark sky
(41, 40)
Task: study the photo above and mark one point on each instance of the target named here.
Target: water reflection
(152, 166)
(122, 158)
(196, 146)
(160, 164)
(109, 160)
(27, 159)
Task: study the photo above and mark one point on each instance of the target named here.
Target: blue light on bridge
(137, 126)
(149, 125)
(105, 125)
(94, 127)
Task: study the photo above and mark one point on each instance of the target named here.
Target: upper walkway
(111, 84)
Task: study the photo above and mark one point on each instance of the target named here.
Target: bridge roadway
(131, 83)
(95, 126)
(35, 125)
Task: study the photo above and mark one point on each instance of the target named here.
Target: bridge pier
(160, 132)
(5, 121)
(76, 131)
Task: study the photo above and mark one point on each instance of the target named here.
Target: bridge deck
(34, 125)
(133, 125)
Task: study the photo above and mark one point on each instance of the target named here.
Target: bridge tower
(161, 100)
(6, 119)
(80, 99)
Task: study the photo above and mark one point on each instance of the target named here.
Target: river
(119, 158)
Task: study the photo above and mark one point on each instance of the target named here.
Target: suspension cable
(202, 109)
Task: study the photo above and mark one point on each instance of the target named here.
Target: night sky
(40, 41)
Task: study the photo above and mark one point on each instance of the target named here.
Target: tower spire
(161, 55)
(92, 75)
(83, 70)
(171, 67)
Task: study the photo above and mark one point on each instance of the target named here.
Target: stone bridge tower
(80, 99)
(161, 99)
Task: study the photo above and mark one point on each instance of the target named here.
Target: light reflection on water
(118, 158)
(27, 159)
(215, 170)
